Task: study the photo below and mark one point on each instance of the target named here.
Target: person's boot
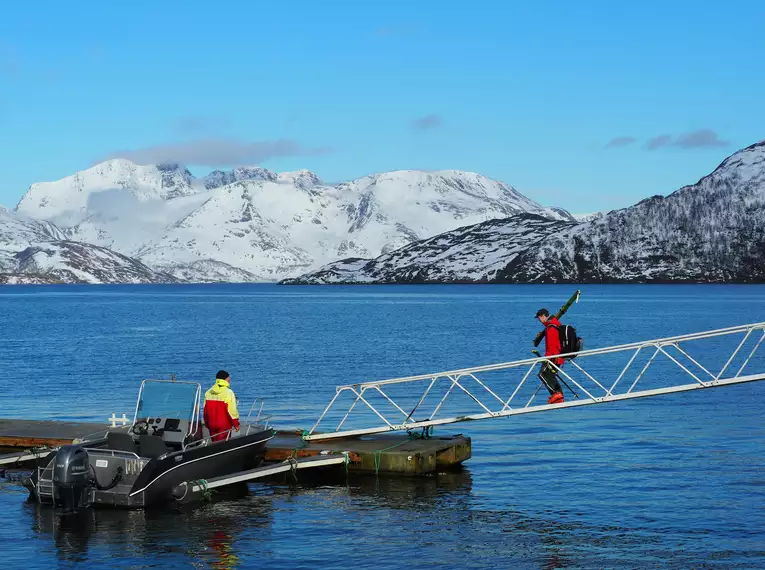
(556, 398)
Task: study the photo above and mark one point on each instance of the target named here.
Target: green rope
(206, 493)
(347, 458)
(426, 433)
(293, 469)
(303, 444)
(379, 452)
(346, 462)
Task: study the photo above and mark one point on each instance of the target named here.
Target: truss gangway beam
(487, 402)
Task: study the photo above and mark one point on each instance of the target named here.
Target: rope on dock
(379, 452)
(293, 467)
(345, 454)
(303, 444)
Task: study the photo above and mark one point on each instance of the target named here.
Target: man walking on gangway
(548, 374)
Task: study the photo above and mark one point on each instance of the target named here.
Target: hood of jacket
(220, 386)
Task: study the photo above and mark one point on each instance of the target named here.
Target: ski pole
(557, 377)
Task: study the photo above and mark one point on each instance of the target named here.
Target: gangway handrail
(590, 352)
(598, 393)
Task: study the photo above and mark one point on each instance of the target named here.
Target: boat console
(172, 431)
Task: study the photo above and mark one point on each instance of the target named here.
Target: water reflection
(214, 534)
(436, 515)
(204, 533)
(414, 492)
(451, 520)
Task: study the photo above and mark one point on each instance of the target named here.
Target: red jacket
(220, 411)
(552, 339)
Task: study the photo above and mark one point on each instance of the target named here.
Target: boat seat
(151, 446)
(119, 441)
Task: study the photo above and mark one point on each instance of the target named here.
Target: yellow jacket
(220, 406)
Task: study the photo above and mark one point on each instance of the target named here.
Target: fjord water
(673, 481)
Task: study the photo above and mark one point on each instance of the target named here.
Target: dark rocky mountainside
(712, 232)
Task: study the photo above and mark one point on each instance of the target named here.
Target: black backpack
(569, 342)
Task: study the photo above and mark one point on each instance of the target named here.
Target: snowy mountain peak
(742, 172)
(253, 224)
(453, 191)
(748, 162)
(588, 217)
(70, 195)
(304, 179)
(218, 178)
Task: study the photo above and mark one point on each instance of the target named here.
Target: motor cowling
(71, 478)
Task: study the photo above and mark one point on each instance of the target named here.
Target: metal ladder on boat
(491, 392)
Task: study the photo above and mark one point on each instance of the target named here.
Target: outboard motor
(71, 484)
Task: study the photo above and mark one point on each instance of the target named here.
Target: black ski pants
(548, 377)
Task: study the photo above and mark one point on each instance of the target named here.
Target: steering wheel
(141, 427)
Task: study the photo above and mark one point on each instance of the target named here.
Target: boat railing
(249, 427)
(100, 435)
(207, 440)
(112, 452)
(45, 480)
(260, 418)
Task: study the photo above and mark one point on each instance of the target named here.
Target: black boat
(149, 462)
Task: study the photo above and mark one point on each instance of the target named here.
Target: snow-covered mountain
(37, 252)
(255, 225)
(218, 178)
(301, 178)
(277, 230)
(469, 254)
(712, 231)
(18, 232)
(65, 199)
(76, 262)
(588, 217)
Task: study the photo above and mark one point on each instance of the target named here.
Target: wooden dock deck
(36, 433)
(389, 453)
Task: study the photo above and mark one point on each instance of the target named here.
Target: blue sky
(530, 93)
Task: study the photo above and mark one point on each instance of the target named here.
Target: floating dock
(393, 453)
(390, 453)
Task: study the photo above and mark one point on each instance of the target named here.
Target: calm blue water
(675, 481)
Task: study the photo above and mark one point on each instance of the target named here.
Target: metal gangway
(669, 365)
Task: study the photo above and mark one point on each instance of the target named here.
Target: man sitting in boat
(220, 413)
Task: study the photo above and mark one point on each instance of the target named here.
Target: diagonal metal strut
(496, 405)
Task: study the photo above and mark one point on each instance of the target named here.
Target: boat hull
(126, 480)
(155, 484)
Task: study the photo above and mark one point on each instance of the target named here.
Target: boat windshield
(167, 399)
